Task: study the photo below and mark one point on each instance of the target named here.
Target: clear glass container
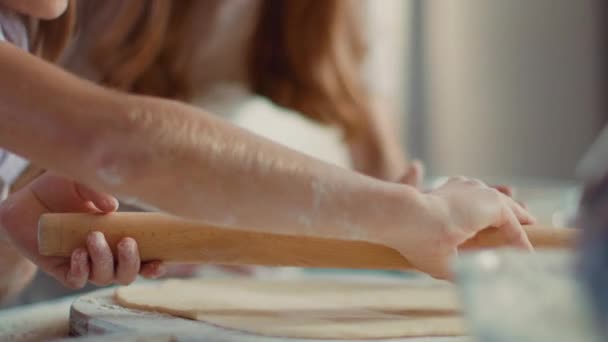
(511, 295)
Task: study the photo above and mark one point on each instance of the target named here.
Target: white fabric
(11, 166)
(257, 114)
(13, 29)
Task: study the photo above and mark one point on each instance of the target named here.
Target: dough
(304, 309)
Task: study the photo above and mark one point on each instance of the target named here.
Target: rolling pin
(172, 239)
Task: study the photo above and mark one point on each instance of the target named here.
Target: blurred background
(492, 88)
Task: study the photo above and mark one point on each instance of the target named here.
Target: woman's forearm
(190, 163)
(182, 160)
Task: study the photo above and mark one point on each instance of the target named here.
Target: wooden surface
(45, 321)
(171, 239)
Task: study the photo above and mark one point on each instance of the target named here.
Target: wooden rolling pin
(171, 239)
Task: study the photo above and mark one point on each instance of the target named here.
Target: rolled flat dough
(304, 309)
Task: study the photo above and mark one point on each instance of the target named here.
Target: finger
(414, 175)
(104, 202)
(417, 174)
(523, 205)
(476, 182)
(102, 260)
(457, 179)
(521, 213)
(153, 269)
(78, 273)
(514, 233)
(58, 194)
(504, 189)
(409, 178)
(128, 261)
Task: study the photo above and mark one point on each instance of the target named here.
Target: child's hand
(51, 193)
(414, 175)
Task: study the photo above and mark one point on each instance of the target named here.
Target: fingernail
(96, 237)
(96, 240)
(97, 234)
(91, 206)
(109, 204)
(160, 270)
(125, 246)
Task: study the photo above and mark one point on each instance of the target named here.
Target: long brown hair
(306, 55)
(48, 38)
